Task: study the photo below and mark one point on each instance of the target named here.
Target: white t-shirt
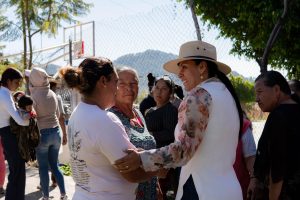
(97, 139)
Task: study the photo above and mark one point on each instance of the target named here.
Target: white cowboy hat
(196, 50)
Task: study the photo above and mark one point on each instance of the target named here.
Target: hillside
(151, 61)
(146, 62)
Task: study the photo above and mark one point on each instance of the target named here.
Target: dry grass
(254, 113)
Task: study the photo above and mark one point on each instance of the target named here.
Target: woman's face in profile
(14, 84)
(112, 88)
(161, 92)
(266, 97)
(128, 87)
(189, 74)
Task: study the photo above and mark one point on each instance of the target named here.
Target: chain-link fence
(144, 41)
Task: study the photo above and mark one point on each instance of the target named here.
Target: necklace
(135, 120)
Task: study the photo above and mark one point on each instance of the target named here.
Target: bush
(243, 88)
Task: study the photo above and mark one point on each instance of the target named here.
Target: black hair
(151, 81)
(24, 101)
(213, 71)
(272, 78)
(168, 82)
(17, 95)
(178, 91)
(85, 77)
(10, 74)
(52, 85)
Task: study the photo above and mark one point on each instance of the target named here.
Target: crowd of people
(30, 131)
(197, 146)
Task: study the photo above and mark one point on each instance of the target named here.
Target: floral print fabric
(140, 138)
(193, 115)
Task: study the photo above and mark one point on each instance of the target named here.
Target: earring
(201, 77)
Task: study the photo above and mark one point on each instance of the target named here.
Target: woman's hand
(130, 162)
(64, 140)
(251, 187)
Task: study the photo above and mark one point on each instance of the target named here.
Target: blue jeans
(47, 155)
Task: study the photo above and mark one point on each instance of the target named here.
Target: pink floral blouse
(193, 115)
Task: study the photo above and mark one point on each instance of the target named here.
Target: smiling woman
(96, 137)
(205, 143)
(135, 127)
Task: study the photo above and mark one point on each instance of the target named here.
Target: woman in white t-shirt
(97, 138)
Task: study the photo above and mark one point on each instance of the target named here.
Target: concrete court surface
(32, 181)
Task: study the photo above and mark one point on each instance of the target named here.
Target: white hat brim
(172, 66)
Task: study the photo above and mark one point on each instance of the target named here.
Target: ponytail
(214, 72)
(230, 88)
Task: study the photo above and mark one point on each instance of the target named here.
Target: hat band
(203, 57)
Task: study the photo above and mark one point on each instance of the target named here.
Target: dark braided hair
(213, 71)
(151, 81)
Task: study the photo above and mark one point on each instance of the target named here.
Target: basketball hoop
(78, 49)
(82, 37)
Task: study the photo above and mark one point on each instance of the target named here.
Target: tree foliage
(243, 88)
(5, 64)
(39, 16)
(249, 24)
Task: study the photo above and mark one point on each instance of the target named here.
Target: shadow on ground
(37, 194)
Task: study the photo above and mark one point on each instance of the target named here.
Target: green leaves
(34, 16)
(243, 88)
(249, 24)
(66, 169)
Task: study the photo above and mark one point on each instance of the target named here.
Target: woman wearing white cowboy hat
(207, 132)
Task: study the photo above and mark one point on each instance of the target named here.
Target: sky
(115, 9)
(112, 13)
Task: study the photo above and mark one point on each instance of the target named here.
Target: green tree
(249, 24)
(243, 88)
(3, 22)
(5, 64)
(40, 16)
